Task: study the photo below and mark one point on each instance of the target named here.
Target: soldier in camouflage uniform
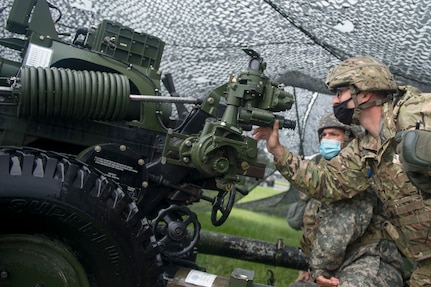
(333, 136)
(392, 157)
(346, 247)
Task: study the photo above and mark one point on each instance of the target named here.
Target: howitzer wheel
(55, 264)
(57, 201)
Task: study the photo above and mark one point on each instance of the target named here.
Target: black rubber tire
(54, 195)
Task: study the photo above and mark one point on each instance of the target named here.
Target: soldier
(333, 136)
(391, 157)
(345, 247)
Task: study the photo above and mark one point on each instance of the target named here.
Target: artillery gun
(95, 176)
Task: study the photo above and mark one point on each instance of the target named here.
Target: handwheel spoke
(188, 220)
(163, 241)
(167, 219)
(223, 210)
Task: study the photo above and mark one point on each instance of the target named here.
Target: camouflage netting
(300, 40)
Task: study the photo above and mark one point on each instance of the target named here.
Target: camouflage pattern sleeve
(342, 223)
(311, 220)
(342, 177)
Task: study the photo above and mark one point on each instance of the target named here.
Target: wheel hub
(27, 260)
(177, 230)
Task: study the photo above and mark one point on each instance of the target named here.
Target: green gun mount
(96, 179)
(221, 148)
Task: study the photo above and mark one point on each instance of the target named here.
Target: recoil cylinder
(72, 94)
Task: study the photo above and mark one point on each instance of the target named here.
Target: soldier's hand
(272, 138)
(303, 276)
(421, 181)
(414, 150)
(327, 282)
(415, 156)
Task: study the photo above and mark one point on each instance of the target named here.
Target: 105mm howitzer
(96, 177)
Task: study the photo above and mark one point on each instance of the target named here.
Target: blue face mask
(329, 148)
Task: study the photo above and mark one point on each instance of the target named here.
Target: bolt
(141, 161)
(245, 165)
(3, 274)
(145, 184)
(97, 148)
(123, 147)
(251, 153)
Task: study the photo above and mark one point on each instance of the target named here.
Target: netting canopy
(299, 39)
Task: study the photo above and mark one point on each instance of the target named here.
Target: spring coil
(70, 94)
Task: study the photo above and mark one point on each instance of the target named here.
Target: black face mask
(342, 113)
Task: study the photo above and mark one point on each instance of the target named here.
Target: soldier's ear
(365, 97)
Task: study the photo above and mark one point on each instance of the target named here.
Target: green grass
(259, 192)
(257, 226)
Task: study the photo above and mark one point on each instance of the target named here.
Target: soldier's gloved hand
(415, 156)
(421, 181)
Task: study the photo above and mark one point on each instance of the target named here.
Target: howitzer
(95, 175)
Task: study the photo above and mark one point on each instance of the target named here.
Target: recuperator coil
(70, 94)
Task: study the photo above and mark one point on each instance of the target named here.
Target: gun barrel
(249, 249)
(162, 99)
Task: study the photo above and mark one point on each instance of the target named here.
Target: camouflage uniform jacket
(369, 162)
(351, 229)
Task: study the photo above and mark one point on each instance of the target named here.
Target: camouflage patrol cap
(363, 72)
(330, 121)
